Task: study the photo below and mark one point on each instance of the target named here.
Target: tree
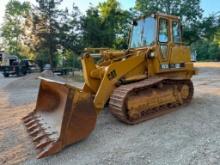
(208, 45)
(58, 30)
(46, 17)
(106, 25)
(188, 10)
(50, 32)
(13, 26)
(116, 22)
(217, 36)
(69, 34)
(92, 31)
(69, 37)
(210, 26)
(207, 50)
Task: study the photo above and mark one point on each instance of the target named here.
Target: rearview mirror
(134, 23)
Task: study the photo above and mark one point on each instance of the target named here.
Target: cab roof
(159, 14)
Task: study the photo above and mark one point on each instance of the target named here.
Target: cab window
(163, 30)
(143, 33)
(176, 32)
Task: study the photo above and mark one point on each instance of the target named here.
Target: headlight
(151, 55)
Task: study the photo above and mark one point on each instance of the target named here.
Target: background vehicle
(194, 56)
(7, 60)
(47, 67)
(58, 70)
(149, 79)
(19, 69)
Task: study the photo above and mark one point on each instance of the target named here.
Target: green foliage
(188, 10)
(12, 28)
(42, 56)
(207, 50)
(53, 31)
(217, 36)
(109, 12)
(69, 35)
(205, 29)
(70, 59)
(92, 28)
(207, 43)
(209, 27)
(115, 22)
(46, 26)
(106, 26)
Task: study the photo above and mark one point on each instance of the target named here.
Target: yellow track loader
(150, 78)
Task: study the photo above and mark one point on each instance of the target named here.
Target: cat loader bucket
(63, 115)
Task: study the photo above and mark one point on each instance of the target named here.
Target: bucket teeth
(46, 151)
(42, 154)
(26, 120)
(43, 143)
(29, 115)
(31, 122)
(38, 133)
(32, 127)
(35, 132)
(39, 137)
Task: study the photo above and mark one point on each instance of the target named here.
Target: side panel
(179, 54)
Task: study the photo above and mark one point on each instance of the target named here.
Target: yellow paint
(101, 78)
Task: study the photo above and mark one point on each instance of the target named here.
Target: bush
(207, 50)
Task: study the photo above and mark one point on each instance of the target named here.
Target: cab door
(164, 41)
(179, 54)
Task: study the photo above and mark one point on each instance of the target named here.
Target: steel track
(117, 103)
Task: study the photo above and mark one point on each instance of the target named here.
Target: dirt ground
(189, 136)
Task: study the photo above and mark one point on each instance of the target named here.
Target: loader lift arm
(106, 83)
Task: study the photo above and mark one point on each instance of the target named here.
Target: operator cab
(147, 31)
(164, 33)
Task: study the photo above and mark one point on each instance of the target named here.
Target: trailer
(7, 60)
